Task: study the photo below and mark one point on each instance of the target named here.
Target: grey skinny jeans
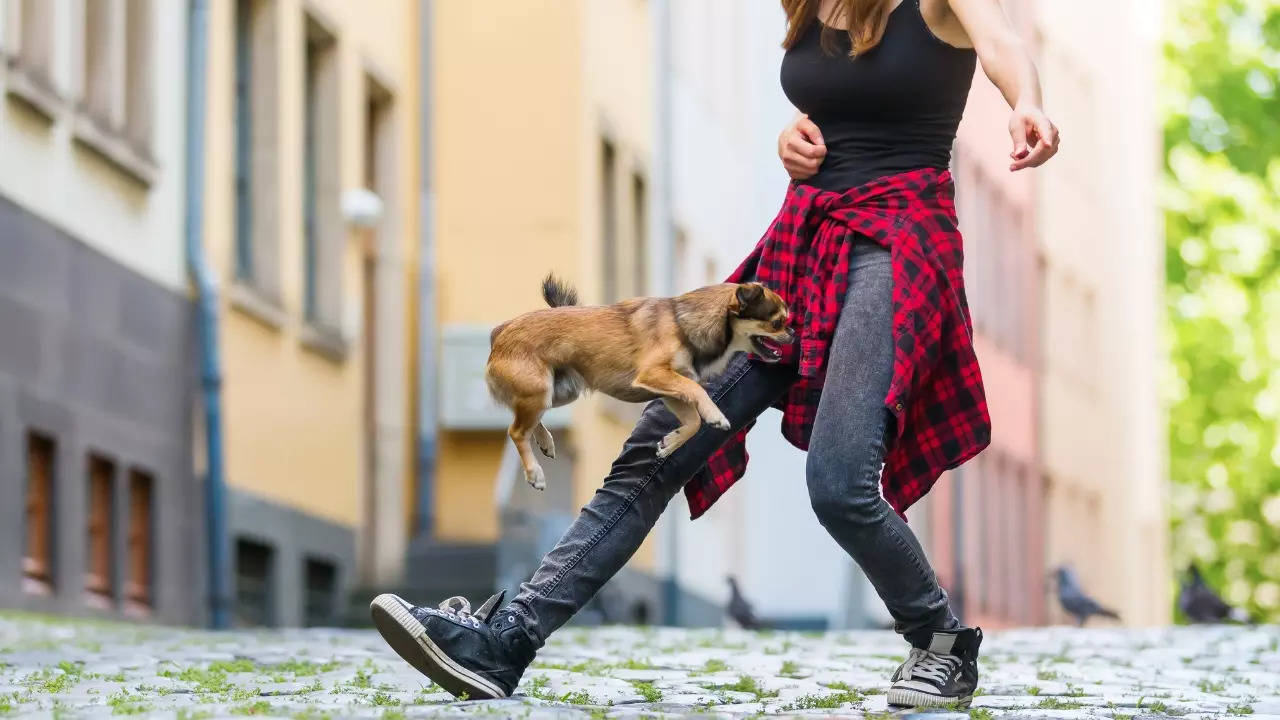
(846, 453)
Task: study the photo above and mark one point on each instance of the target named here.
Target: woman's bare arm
(1008, 64)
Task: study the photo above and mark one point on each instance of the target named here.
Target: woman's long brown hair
(864, 19)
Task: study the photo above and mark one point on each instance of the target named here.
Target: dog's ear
(747, 295)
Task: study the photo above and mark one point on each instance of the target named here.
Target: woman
(866, 252)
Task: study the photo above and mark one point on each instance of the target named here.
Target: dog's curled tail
(557, 293)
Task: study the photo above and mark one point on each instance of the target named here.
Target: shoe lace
(929, 665)
(460, 607)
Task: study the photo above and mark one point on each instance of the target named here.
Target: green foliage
(714, 665)
(810, 702)
(537, 688)
(981, 714)
(1053, 703)
(304, 668)
(1221, 198)
(260, 707)
(647, 691)
(748, 684)
(577, 698)
(1207, 685)
(122, 703)
(54, 680)
(789, 669)
(362, 679)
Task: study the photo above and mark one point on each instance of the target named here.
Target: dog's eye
(777, 324)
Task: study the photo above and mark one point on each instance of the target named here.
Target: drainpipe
(206, 313)
(661, 262)
(427, 368)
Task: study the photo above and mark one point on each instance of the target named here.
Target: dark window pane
(99, 560)
(38, 550)
(254, 584)
(321, 592)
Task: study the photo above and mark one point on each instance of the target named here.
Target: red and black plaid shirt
(936, 393)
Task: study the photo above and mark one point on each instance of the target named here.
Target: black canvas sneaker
(941, 671)
(460, 650)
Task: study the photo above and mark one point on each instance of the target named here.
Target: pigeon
(739, 608)
(1201, 604)
(640, 613)
(1075, 602)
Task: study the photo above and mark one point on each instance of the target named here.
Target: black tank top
(892, 109)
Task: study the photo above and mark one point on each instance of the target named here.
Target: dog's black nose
(791, 336)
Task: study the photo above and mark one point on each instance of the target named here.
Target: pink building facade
(1063, 271)
(986, 520)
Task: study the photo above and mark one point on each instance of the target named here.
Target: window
(137, 74)
(680, 257)
(322, 223)
(137, 578)
(256, 148)
(640, 246)
(379, 149)
(98, 74)
(244, 139)
(37, 564)
(35, 40)
(99, 558)
(609, 219)
(255, 563)
(321, 587)
(115, 84)
(30, 57)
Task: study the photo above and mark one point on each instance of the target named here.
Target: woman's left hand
(1035, 138)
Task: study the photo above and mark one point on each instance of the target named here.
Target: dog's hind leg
(690, 421)
(528, 419)
(547, 444)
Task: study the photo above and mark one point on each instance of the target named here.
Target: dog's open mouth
(768, 349)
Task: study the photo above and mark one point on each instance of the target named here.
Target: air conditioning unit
(465, 403)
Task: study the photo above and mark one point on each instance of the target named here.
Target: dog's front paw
(718, 421)
(536, 478)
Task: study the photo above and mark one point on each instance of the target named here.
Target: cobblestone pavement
(56, 667)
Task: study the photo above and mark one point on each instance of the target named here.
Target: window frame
(38, 560)
(100, 511)
(139, 570)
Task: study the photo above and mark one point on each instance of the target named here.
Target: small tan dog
(635, 350)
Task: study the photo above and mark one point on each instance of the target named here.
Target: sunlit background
(248, 270)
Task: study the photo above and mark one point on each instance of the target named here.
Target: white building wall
(69, 185)
(727, 185)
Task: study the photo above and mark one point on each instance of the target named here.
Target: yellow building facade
(541, 143)
(311, 220)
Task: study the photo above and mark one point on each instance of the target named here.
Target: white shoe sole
(901, 697)
(409, 639)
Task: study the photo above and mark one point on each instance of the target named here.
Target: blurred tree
(1220, 105)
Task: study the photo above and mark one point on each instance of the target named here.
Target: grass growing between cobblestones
(748, 684)
(55, 667)
(647, 691)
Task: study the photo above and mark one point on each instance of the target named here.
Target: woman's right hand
(801, 148)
